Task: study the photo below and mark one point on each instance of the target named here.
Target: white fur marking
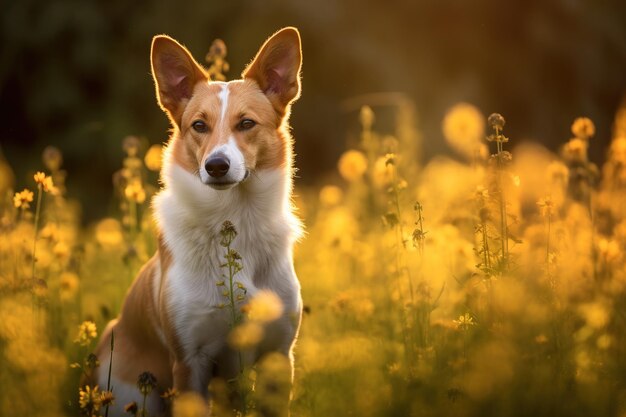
(190, 216)
(223, 95)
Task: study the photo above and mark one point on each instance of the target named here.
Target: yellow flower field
(493, 284)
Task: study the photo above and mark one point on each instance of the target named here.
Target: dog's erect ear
(175, 74)
(276, 68)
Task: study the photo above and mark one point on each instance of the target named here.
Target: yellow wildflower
(131, 408)
(61, 250)
(330, 195)
(69, 285)
(246, 335)
(463, 128)
(366, 117)
(23, 199)
(39, 177)
(89, 398)
(109, 232)
(465, 321)
(596, 314)
(50, 231)
(384, 171)
(265, 307)
(575, 150)
(135, 192)
(44, 182)
(546, 206)
(40, 288)
(86, 333)
(352, 165)
(48, 185)
(170, 394)
(106, 398)
(609, 250)
(153, 158)
(583, 128)
(190, 404)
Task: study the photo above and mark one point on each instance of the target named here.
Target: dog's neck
(261, 202)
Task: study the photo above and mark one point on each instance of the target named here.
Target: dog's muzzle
(217, 166)
(220, 174)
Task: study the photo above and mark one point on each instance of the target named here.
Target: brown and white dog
(229, 158)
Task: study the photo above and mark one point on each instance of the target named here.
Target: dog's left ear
(276, 68)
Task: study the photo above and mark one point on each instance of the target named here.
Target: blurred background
(76, 73)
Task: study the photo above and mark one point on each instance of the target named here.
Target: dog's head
(224, 131)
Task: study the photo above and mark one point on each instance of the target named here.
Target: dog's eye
(199, 126)
(246, 124)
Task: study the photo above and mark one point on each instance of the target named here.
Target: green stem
(503, 221)
(37, 215)
(486, 253)
(106, 411)
(420, 221)
(231, 292)
(133, 219)
(143, 407)
(396, 195)
(235, 319)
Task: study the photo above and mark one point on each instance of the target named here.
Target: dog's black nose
(217, 166)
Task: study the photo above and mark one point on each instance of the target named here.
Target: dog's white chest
(199, 301)
(191, 219)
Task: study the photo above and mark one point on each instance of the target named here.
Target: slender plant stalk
(143, 406)
(503, 221)
(236, 318)
(401, 244)
(133, 219)
(548, 271)
(486, 253)
(400, 230)
(37, 215)
(106, 411)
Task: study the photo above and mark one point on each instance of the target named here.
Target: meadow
(491, 283)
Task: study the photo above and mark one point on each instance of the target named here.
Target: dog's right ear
(175, 74)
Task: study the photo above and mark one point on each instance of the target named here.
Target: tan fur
(146, 338)
(136, 338)
(262, 147)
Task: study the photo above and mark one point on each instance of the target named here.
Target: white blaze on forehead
(223, 95)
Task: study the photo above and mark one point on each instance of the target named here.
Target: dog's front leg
(182, 376)
(194, 375)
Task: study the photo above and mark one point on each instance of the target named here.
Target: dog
(229, 158)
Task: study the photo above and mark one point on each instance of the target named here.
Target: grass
(489, 285)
